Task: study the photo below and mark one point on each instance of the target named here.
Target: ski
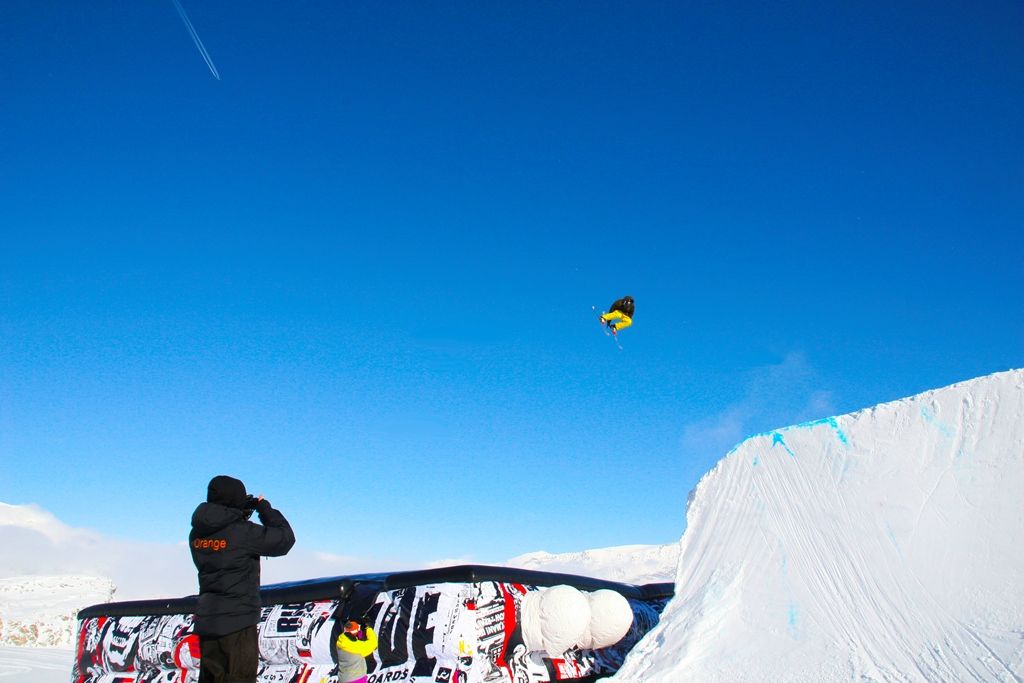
(605, 329)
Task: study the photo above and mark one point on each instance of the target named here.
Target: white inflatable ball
(554, 619)
(610, 619)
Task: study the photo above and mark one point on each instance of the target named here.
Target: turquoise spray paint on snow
(830, 421)
(892, 538)
(777, 440)
(931, 419)
(839, 432)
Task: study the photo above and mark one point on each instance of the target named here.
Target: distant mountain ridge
(39, 597)
(40, 611)
(637, 564)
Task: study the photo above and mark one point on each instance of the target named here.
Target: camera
(250, 505)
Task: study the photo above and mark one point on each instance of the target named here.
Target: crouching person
(356, 642)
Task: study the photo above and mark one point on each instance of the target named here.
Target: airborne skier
(619, 315)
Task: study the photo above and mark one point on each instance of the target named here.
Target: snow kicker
(884, 545)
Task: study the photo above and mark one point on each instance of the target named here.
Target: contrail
(195, 39)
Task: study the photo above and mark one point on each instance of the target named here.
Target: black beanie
(226, 491)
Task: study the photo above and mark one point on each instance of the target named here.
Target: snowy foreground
(885, 545)
(35, 665)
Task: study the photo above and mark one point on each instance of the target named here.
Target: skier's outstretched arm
(275, 537)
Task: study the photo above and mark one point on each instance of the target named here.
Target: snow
(40, 611)
(884, 545)
(42, 545)
(610, 619)
(35, 665)
(637, 564)
(555, 619)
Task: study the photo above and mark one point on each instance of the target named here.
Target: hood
(212, 517)
(226, 491)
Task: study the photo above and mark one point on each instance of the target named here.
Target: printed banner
(430, 633)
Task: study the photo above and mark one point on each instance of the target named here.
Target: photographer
(226, 549)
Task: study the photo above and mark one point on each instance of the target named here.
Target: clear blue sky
(357, 271)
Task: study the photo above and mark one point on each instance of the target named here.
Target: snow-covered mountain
(637, 564)
(40, 611)
(885, 545)
(39, 544)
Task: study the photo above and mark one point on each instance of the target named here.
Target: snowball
(610, 619)
(554, 619)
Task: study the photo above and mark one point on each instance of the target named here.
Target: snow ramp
(884, 545)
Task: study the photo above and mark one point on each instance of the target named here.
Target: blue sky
(357, 271)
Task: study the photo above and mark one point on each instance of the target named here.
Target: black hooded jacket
(226, 549)
(625, 304)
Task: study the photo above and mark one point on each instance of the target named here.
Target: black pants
(233, 658)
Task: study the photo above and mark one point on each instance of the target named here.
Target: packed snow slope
(885, 545)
